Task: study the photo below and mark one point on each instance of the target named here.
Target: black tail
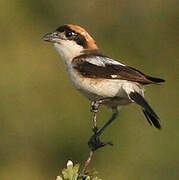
(156, 80)
(149, 113)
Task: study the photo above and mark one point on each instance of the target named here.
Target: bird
(101, 79)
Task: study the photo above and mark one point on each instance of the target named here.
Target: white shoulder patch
(112, 61)
(102, 61)
(96, 61)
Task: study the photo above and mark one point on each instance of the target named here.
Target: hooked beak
(51, 37)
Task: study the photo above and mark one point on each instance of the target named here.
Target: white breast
(95, 89)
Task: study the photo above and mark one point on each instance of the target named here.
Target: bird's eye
(69, 34)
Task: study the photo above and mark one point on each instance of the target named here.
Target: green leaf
(71, 172)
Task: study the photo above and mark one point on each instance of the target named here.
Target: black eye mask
(72, 35)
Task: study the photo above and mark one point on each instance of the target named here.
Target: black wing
(107, 68)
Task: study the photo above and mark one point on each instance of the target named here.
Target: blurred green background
(44, 121)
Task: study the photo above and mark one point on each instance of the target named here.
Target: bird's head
(71, 41)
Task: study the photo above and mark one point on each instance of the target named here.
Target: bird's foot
(95, 143)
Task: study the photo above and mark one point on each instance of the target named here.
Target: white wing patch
(114, 76)
(96, 61)
(112, 61)
(103, 61)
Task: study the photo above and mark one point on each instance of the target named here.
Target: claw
(108, 143)
(95, 143)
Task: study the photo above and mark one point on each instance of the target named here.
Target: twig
(85, 169)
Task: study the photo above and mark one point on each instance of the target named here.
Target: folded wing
(104, 67)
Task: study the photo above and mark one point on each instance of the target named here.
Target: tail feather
(152, 120)
(149, 113)
(156, 80)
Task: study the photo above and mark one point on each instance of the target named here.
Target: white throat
(68, 50)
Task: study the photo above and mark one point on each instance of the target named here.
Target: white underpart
(94, 88)
(103, 88)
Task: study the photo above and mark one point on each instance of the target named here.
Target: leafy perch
(71, 172)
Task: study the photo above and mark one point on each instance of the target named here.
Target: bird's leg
(94, 108)
(113, 117)
(95, 142)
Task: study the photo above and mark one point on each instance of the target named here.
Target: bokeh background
(44, 121)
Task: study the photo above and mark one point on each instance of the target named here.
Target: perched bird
(103, 80)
